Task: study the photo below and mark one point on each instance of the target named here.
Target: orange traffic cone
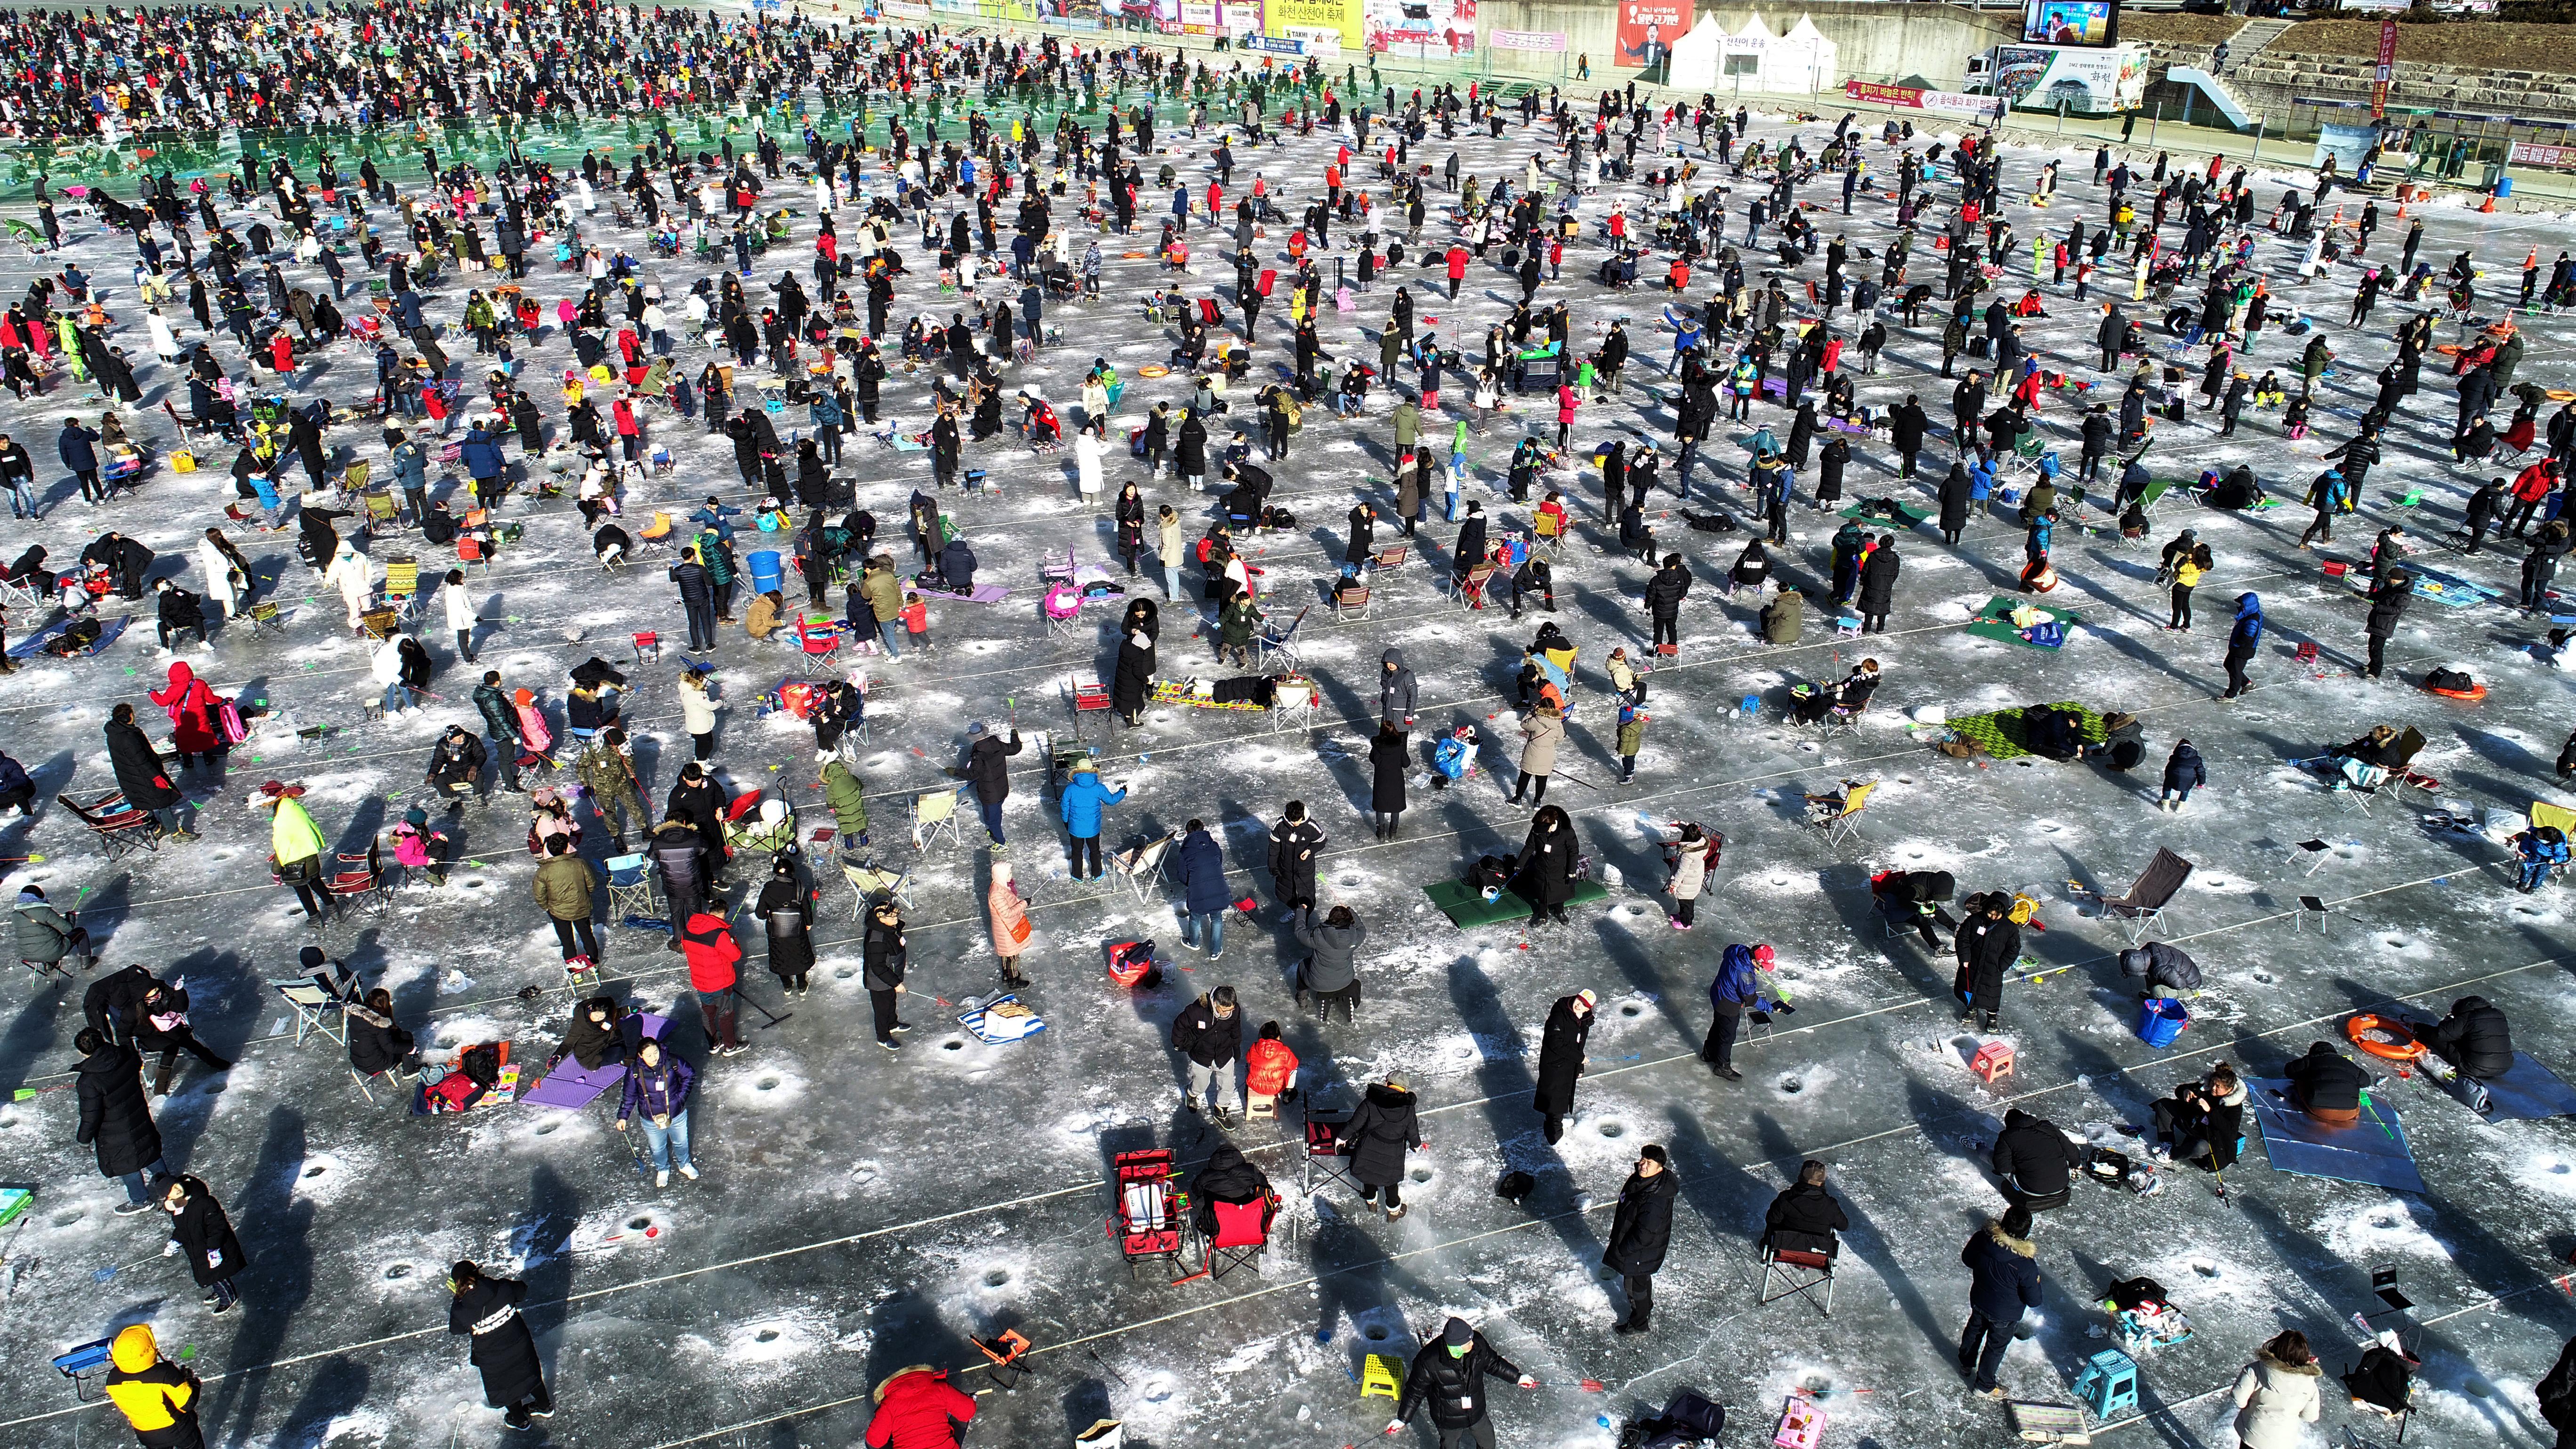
(2487, 205)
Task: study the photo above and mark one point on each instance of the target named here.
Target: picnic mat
(2372, 1150)
(577, 1086)
(34, 644)
(1466, 909)
(1994, 621)
(1905, 517)
(980, 594)
(1999, 734)
(2529, 1092)
(2449, 589)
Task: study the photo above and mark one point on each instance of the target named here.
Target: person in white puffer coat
(2277, 1393)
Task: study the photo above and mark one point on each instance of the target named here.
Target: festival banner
(1647, 30)
(1546, 40)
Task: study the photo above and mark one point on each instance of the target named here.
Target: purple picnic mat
(574, 1087)
(980, 594)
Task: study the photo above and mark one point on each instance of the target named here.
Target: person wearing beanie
(1376, 1138)
(418, 847)
(1640, 1232)
(615, 792)
(1449, 1374)
(200, 1233)
(786, 911)
(697, 799)
(2004, 1283)
(1560, 1060)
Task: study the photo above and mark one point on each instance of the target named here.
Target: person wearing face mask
(1640, 1232)
(1449, 1374)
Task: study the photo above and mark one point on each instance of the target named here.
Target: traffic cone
(2487, 205)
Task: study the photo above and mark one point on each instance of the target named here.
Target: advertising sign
(1549, 40)
(1420, 27)
(1325, 25)
(2085, 82)
(2071, 22)
(2387, 69)
(2532, 153)
(1647, 30)
(1948, 103)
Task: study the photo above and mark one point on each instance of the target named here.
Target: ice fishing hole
(1613, 1129)
(952, 1046)
(65, 1220)
(1373, 1333)
(1905, 779)
(1792, 1085)
(1631, 1009)
(1347, 881)
(639, 1224)
(316, 1170)
(766, 1335)
(548, 1129)
(2049, 827)
(1422, 1174)
(396, 1272)
(2025, 764)
(768, 1084)
(997, 1277)
(844, 973)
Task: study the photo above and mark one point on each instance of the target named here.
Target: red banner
(2387, 69)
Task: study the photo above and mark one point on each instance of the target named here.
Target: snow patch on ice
(2362, 1233)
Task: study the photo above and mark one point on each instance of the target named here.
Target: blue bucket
(2160, 1020)
(765, 570)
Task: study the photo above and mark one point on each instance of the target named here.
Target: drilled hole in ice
(997, 1278)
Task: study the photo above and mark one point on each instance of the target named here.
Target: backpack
(228, 718)
(2449, 679)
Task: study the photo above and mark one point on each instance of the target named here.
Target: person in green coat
(849, 804)
(1235, 625)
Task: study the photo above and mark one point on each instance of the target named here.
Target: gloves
(170, 1249)
(1527, 1382)
(1395, 1426)
(214, 1257)
(551, 1063)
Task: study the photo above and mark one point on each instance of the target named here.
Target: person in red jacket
(2530, 486)
(1457, 268)
(917, 1408)
(708, 945)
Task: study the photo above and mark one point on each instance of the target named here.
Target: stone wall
(1875, 41)
(2271, 79)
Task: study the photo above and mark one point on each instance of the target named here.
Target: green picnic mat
(1999, 734)
(1911, 516)
(1467, 910)
(1994, 621)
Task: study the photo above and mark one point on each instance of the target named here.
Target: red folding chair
(359, 877)
(648, 646)
(1242, 1232)
(821, 642)
(1324, 1161)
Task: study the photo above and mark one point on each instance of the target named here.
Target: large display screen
(2070, 22)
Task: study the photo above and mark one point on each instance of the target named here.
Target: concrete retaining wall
(2273, 78)
(1876, 41)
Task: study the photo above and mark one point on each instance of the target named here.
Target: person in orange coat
(917, 1408)
(1270, 1073)
(707, 943)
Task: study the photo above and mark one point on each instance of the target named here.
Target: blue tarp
(2528, 1093)
(2373, 1150)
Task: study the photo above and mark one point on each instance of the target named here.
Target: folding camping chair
(2154, 495)
(317, 1012)
(269, 617)
(2311, 853)
(1150, 1221)
(119, 826)
(382, 508)
(1142, 866)
(1391, 556)
(630, 888)
(932, 813)
(1052, 570)
(402, 585)
(16, 595)
(360, 877)
(1089, 696)
(381, 623)
(1282, 642)
(1061, 608)
(1350, 598)
(2143, 909)
(869, 884)
(1324, 1162)
(648, 647)
(1547, 533)
(656, 533)
(1792, 1272)
(1294, 704)
(1840, 824)
(1242, 1233)
(820, 643)
(1468, 592)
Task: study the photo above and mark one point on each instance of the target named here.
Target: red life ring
(2473, 692)
(2383, 1037)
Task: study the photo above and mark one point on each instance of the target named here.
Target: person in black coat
(1664, 595)
(487, 1311)
(1988, 942)
(2473, 1038)
(1296, 843)
(141, 775)
(1545, 874)
(376, 1044)
(2387, 606)
(987, 770)
(1449, 1374)
(1560, 1060)
(2005, 1282)
(115, 1117)
(114, 1003)
(1805, 1217)
(1830, 462)
(1878, 585)
(1134, 675)
(1388, 763)
(1363, 543)
(1906, 427)
(699, 800)
(1227, 1178)
(1377, 1137)
(786, 911)
(2034, 1160)
(1954, 503)
(2556, 1392)
(200, 1233)
(1640, 1232)
(2327, 1085)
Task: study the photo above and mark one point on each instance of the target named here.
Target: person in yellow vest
(157, 1397)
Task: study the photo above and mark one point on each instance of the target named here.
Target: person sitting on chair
(2034, 1160)
(1227, 1178)
(1805, 1217)
(1821, 808)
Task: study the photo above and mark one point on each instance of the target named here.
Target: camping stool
(2309, 906)
(1994, 1059)
(2315, 852)
(2306, 653)
(1846, 625)
(2336, 568)
(1381, 1374)
(1750, 709)
(266, 616)
(81, 1364)
(648, 646)
(2108, 1384)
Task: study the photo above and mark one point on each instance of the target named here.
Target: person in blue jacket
(1201, 873)
(1737, 988)
(1081, 804)
(2242, 641)
(481, 456)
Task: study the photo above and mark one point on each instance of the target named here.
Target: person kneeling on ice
(1226, 1178)
(1269, 1073)
(2327, 1085)
(657, 1089)
(917, 1408)
(2167, 972)
(2035, 1161)
(1450, 1374)
(2472, 1041)
(2203, 1121)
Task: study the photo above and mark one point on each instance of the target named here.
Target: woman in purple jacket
(657, 1086)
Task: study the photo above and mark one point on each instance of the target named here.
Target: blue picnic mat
(2450, 589)
(34, 644)
(2529, 1092)
(2373, 1150)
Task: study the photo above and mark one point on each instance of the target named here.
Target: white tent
(1694, 63)
(1801, 62)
